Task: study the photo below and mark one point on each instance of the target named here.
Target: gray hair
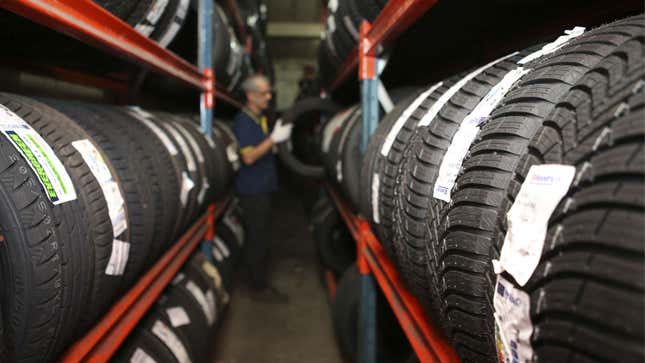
(250, 83)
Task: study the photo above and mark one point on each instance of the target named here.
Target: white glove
(281, 133)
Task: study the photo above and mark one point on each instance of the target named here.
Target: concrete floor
(300, 331)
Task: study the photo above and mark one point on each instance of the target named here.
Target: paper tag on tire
(513, 326)
(528, 219)
(200, 297)
(177, 316)
(140, 356)
(170, 339)
(40, 157)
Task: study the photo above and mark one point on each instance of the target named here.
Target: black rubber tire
(144, 338)
(119, 8)
(231, 229)
(190, 168)
(371, 161)
(420, 165)
(352, 159)
(198, 331)
(207, 276)
(108, 287)
(168, 166)
(228, 159)
(330, 137)
(211, 167)
(295, 114)
(47, 258)
(344, 311)
(335, 245)
(534, 125)
(171, 22)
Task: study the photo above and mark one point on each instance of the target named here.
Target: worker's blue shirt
(261, 176)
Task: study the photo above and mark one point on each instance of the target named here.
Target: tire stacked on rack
(474, 138)
(344, 18)
(159, 20)
(91, 196)
(180, 326)
(229, 60)
(392, 345)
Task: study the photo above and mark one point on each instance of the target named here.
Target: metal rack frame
(93, 25)
(374, 265)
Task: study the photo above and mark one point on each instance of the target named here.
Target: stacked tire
(91, 196)
(159, 20)
(344, 18)
(510, 199)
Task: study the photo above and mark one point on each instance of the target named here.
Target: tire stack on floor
(91, 197)
(510, 197)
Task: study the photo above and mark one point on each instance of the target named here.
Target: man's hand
(281, 133)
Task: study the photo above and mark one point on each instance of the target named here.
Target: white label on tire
(513, 326)
(179, 278)
(177, 22)
(235, 226)
(212, 271)
(187, 185)
(140, 356)
(396, 128)
(145, 29)
(39, 156)
(170, 339)
(202, 192)
(199, 296)
(339, 171)
(109, 186)
(376, 184)
(216, 253)
(222, 247)
(144, 117)
(118, 258)
(554, 45)
(157, 9)
(183, 146)
(467, 132)
(331, 24)
(528, 219)
(331, 127)
(212, 303)
(232, 156)
(177, 316)
(333, 5)
(191, 141)
(437, 106)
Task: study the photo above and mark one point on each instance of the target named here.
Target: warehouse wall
(293, 35)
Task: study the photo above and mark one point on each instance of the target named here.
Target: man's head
(258, 92)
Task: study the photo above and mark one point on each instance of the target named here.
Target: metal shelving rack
(91, 24)
(373, 263)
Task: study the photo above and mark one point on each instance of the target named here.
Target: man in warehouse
(256, 181)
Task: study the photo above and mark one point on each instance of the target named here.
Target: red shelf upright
(394, 19)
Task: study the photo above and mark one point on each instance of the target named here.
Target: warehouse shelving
(100, 343)
(426, 340)
(91, 24)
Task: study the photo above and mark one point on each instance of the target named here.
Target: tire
(177, 301)
(370, 166)
(171, 22)
(206, 274)
(336, 247)
(534, 124)
(344, 311)
(420, 165)
(191, 177)
(231, 228)
(169, 163)
(145, 16)
(119, 8)
(48, 260)
(147, 338)
(228, 156)
(303, 108)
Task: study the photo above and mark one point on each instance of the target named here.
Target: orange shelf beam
(425, 338)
